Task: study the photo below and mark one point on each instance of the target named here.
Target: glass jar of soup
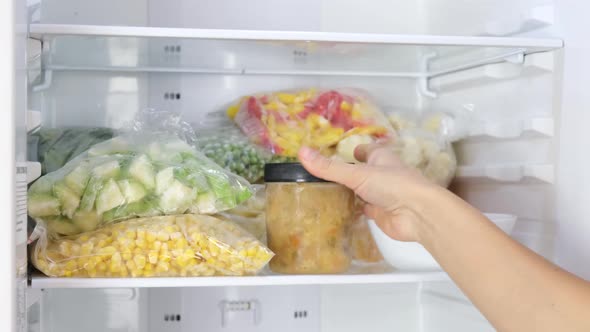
(308, 221)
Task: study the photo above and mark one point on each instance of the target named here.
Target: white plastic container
(411, 256)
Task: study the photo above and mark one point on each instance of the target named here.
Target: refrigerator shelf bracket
(46, 83)
(516, 57)
(424, 81)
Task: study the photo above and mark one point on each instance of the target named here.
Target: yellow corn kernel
(181, 261)
(251, 252)
(243, 253)
(107, 251)
(138, 251)
(136, 273)
(114, 267)
(157, 245)
(91, 273)
(164, 258)
(127, 254)
(141, 234)
(67, 273)
(171, 244)
(71, 265)
(151, 236)
(116, 257)
(175, 235)
(87, 263)
(190, 253)
(163, 236)
(140, 243)
(130, 234)
(101, 267)
(162, 267)
(131, 265)
(153, 256)
(181, 243)
(86, 248)
(286, 98)
(101, 243)
(140, 261)
(148, 267)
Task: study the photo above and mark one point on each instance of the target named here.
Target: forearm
(513, 287)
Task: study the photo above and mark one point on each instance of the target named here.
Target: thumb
(352, 176)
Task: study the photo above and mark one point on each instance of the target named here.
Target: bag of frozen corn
(147, 172)
(331, 121)
(165, 246)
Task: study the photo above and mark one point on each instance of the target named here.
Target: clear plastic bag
(250, 215)
(284, 121)
(230, 149)
(54, 147)
(140, 174)
(166, 246)
(424, 143)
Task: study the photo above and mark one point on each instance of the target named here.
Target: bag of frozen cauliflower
(164, 246)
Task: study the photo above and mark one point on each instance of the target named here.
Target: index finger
(338, 171)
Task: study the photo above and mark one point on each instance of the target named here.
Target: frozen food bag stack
(89, 206)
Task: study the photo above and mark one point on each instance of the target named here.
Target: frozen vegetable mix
(282, 122)
(230, 149)
(424, 143)
(54, 147)
(130, 176)
(164, 246)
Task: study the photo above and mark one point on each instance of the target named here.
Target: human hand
(395, 194)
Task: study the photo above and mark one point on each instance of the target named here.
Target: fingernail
(308, 153)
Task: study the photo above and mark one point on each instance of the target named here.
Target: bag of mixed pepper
(331, 121)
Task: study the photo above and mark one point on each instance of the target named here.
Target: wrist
(433, 207)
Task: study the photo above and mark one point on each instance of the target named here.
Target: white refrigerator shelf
(253, 52)
(41, 281)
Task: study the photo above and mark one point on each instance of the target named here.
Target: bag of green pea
(230, 149)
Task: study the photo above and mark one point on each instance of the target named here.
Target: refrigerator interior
(508, 162)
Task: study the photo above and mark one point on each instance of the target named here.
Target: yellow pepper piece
(233, 110)
(345, 106)
(286, 98)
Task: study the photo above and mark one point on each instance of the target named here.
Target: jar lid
(288, 172)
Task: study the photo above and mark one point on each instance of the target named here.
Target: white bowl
(411, 256)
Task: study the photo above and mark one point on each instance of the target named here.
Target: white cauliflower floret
(345, 148)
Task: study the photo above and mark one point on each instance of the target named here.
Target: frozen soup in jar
(308, 221)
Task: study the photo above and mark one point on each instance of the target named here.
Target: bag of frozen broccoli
(146, 172)
(54, 147)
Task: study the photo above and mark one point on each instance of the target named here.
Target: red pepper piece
(253, 108)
